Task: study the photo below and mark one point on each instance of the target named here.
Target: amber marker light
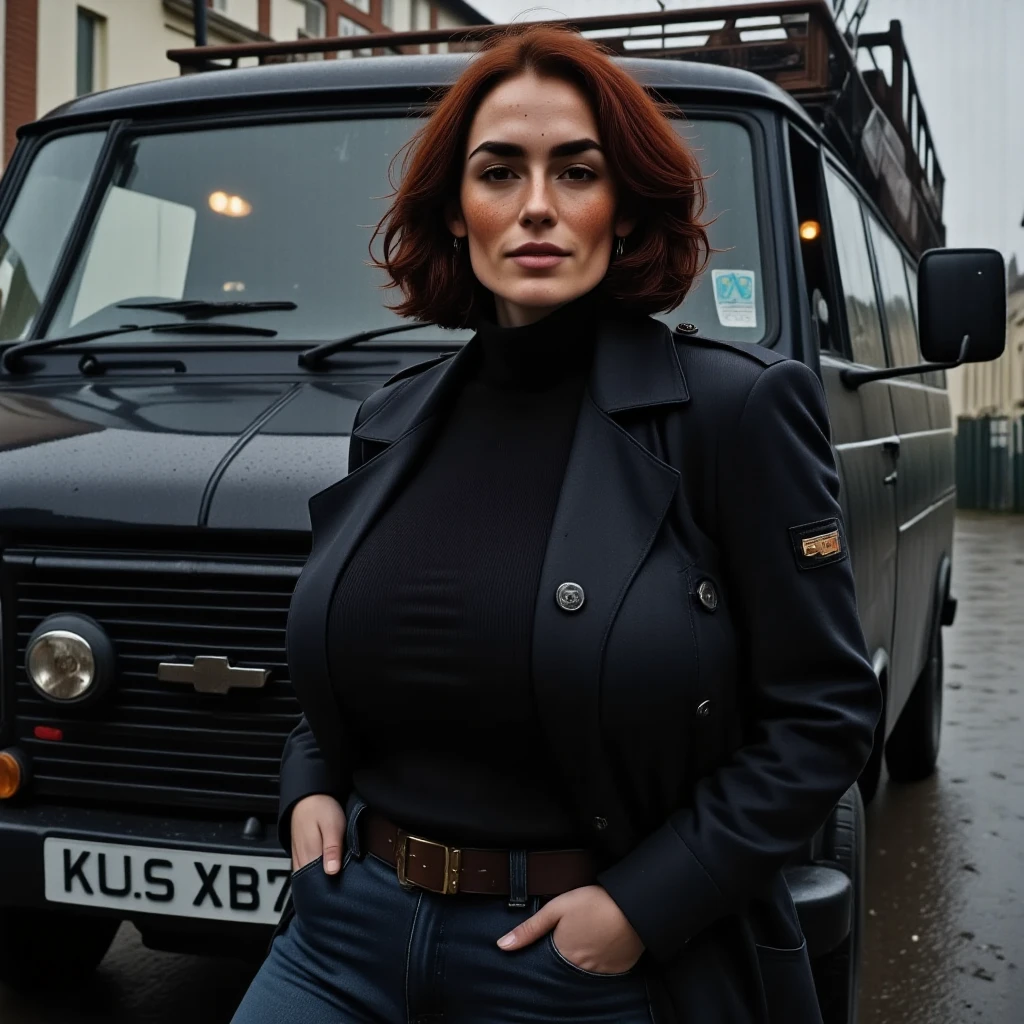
(810, 230)
(11, 774)
(229, 205)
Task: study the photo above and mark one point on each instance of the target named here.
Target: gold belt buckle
(452, 863)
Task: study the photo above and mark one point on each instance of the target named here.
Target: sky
(970, 72)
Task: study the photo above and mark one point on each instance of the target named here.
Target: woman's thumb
(331, 834)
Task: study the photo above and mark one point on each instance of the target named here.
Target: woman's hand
(318, 827)
(589, 931)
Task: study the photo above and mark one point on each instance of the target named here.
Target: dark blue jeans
(360, 948)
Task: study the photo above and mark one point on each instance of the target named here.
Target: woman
(561, 657)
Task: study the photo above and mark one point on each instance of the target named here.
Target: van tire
(913, 747)
(837, 973)
(51, 947)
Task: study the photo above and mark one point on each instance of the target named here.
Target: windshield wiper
(13, 356)
(309, 359)
(202, 310)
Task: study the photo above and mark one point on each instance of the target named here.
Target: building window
(87, 57)
(316, 19)
(360, 5)
(419, 14)
(219, 5)
(348, 27)
(387, 13)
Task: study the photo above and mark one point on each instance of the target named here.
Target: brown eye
(497, 174)
(579, 173)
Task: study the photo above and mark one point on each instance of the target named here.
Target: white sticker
(734, 297)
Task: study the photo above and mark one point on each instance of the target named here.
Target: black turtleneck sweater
(432, 621)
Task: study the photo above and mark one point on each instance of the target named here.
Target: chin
(544, 294)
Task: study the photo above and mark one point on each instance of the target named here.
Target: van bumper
(24, 829)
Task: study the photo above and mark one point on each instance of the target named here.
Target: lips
(538, 256)
(538, 249)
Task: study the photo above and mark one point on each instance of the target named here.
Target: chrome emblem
(209, 674)
(823, 546)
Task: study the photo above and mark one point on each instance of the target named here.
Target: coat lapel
(614, 497)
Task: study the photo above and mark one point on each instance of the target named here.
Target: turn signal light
(11, 774)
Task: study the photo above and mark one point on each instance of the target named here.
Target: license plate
(156, 880)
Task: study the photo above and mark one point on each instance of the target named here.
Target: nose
(538, 205)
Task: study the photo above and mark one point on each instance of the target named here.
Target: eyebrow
(573, 148)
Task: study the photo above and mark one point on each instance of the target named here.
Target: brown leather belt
(449, 869)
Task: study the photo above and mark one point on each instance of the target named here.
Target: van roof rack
(875, 120)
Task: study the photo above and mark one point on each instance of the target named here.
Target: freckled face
(537, 205)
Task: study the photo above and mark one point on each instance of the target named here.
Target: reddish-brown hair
(657, 179)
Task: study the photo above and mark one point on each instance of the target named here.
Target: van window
(851, 244)
(285, 211)
(278, 212)
(34, 234)
(727, 301)
(899, 316)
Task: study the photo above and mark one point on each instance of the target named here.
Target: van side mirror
(961, 302)
(961, 305)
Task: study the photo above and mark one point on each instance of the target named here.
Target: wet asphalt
(944, 942)
(945, 929)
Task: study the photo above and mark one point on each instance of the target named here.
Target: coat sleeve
(303, 768)
(808, 692)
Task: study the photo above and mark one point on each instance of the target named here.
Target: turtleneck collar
(538, 356)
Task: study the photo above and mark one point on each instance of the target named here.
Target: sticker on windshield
(734, 297)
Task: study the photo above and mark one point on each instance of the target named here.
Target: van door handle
(892, 447)
(891, 478)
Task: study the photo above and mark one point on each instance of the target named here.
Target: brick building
(54, 50)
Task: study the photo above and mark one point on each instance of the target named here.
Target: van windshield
(283, 213)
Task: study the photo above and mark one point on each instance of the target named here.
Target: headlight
(61, 664)
(69, 659)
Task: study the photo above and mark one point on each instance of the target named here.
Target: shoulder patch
(417, 368)
(818, 544)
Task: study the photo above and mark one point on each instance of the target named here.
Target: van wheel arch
(912, 749)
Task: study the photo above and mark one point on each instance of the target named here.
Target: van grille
(152, 742)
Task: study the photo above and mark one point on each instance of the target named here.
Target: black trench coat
(700, 742)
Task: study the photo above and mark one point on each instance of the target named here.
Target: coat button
(600, 823)
(707, 595)
(704, 709)
(570, 597)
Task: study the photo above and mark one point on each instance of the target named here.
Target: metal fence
(990, 463)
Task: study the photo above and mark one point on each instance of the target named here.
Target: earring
(457, 244)
(620, 244)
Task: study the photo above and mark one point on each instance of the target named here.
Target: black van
(187, 327)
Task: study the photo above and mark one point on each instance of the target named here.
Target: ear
(455, 221)
(624, 225)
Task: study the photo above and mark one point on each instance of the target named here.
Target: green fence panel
(980, 465)
(990, 463)
(964, 492)
(1000, 495)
